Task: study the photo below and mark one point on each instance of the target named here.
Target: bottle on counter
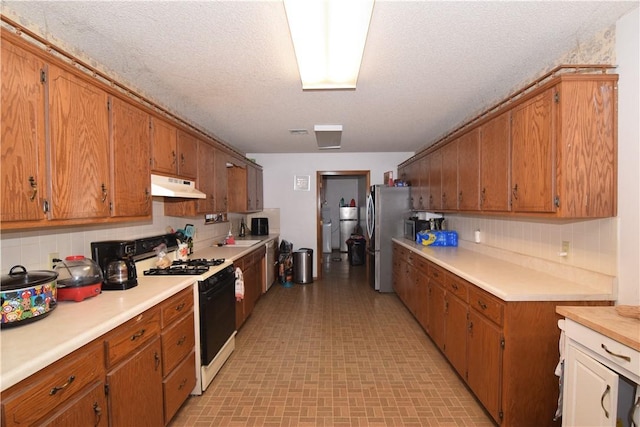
(243, 228)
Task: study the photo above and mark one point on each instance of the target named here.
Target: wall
(628, 60)
(298, 209)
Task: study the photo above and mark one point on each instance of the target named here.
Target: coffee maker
(115, 258)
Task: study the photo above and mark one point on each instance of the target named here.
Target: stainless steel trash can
(303, 265)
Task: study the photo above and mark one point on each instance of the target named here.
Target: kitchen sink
(245, 243)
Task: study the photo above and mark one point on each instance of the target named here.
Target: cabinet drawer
(490, 306)
(41, 393)
(177, 386)
(456, 286)
(616, 353)
(177, 342)
(176, 306)
(131, 335)
(436, 273)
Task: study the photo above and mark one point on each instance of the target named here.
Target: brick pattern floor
(333, 353)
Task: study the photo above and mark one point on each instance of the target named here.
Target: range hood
(174, 187)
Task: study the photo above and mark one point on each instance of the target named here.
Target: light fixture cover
(329, 38)
(328, 137)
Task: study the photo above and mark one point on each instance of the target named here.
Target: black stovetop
(194, 267)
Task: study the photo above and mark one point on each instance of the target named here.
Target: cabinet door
(259, 190)
(422, 293)
(206, 177)
(436, 313)
(89, 408)
(410, 175)
(450, 176)
(422, 174)
(590, 391)
(131, 150)
(251, 188)
(495, 164)
(79, 145)
(435, 180)
(484, 364)
(163, 147)
(532, 155)
(455, 333)
(187, 151)
(135, 388)
(469, 171)
(23, 136)
(221, 201)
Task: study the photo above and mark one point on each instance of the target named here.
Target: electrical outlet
(52, 256)
(565, 247)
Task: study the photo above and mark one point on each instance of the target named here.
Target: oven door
(217, 318)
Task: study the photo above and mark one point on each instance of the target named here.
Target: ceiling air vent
(328, 136)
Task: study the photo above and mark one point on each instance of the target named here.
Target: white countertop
(25, 349)
(505, 280)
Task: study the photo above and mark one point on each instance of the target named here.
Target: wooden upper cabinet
(206, 177)
(164, 140)
(221, 197)
(469, 171)
(245, 182)
(252, 182)
(131, 151)
(435, 180)
(259, 189)
(421, 168)
(587, 146)
(23, 135)
(495, 164)
(187, 160)
(532, 154)
(450, 176)
(79, 145)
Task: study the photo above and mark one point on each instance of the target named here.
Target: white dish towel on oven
(239, 285)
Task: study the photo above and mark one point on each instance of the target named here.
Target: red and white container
(79, 278)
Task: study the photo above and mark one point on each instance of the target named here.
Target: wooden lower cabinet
(253, 272)
(139, 373)
(135, 388)
(60, 387)
(506, 351)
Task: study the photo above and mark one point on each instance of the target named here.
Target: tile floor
(333, 353)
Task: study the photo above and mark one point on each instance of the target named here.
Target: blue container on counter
(437, 238)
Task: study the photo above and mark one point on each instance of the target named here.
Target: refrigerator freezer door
(348, 213)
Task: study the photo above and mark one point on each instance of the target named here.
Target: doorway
(331, 187)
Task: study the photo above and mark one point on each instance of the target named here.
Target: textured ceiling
(229, 67)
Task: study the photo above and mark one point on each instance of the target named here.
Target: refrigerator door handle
(370, 215)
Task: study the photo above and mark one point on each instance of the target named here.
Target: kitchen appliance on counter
(79, 278)
(386, 206)
(115, 258)
(260, 226)
(26, 296)
(425, 221)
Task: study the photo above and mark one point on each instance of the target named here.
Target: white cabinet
(600, 379)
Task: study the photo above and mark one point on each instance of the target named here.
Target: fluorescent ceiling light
(328, 136)
(328, 38)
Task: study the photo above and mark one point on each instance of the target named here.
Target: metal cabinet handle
(483, 195)
(460, 197)
(604, 394)
(454, 286)
(156, 357)
(482, 305)
(632, 413)
(182, 384)
(181, 340)
(621, 356)
(104, 192)
(138, 334)
(173, 155)
(34, 188)
(471, 327)
(180, 306)
(63, 386)
(181, 159)
(98, 412)
(515, 192)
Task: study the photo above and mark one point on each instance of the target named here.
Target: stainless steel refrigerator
(387, 207)
(348, 223)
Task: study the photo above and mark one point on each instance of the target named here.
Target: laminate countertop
(606, 321)
(505, 280)
(25, 349)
